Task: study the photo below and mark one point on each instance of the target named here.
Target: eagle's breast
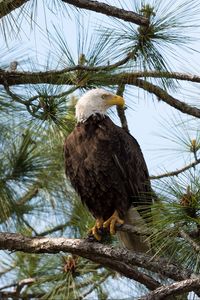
(106, 166)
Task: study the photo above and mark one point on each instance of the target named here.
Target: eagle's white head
(96, 101)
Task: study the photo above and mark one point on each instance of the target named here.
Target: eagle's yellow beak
(115, 100)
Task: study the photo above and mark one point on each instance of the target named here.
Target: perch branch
(92, 251)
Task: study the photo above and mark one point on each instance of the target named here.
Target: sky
(148, 119)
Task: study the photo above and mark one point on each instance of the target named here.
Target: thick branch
(56, 77)
(92, 251)
(156, 74)
(109, 10)
(177, 288)
(7, 6)
(177, 172)
(129, 272)
(61, 76)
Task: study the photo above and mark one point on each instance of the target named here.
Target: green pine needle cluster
(35, 196)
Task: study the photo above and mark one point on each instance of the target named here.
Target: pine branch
(12, 295)
(187, 238)
(54, 229)
(120, 110)
(129, 272)
(7, 6)
(109, 10)
(55, 77)
(177, 288)
(165, 97)
(93, 251)
(28, 196)
(29, 226)
(129, 77)
(95, 286)
(133, 229)
(177, 172)
(60, 76)
(13, 96)
(6, 270)
(17, 289)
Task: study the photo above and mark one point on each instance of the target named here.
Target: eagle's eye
(104, 96)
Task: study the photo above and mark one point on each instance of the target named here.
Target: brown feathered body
(106, 167)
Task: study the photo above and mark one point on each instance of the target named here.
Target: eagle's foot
(112, 222)
(94, 231)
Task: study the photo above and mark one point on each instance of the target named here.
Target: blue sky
(146, 117)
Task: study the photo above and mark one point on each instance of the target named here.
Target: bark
(7, 6)
(157, 74)
(63, 76)
(93, 251)
(177, 288)
(129, 272)
(58, 77)
(109, 10)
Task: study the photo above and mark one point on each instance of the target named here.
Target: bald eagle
(106, 167)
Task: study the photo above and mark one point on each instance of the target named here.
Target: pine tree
(132, 51)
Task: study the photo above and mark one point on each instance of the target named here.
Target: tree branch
(177, 288)
(56, 77)
(7, 6)
(177, 172)
(165, 97)
(16, 294)
(92, 251)
(109, 10)
(133, 229)
(187, 238)
(28, 196)
(128, 271)
(54, 229)
(61, 76)
(120, 110)
(157, 74)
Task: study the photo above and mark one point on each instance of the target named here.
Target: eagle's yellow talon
(112, 221)
(94, 230)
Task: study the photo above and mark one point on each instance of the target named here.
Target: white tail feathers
(135, 241)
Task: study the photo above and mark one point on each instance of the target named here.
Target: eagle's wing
(133, 169)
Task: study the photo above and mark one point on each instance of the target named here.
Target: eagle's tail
(135, 241)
